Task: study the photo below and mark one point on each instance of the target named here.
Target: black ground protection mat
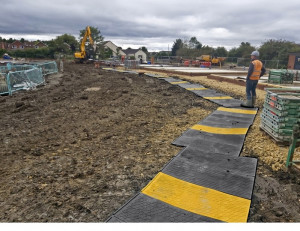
(171, 80)
(206, 93)
(113, 219)
(192, 135)
(190, 86)
(244, 166)
(227, 102)
(225, 121)
(212, 146)
(154, 75)
(246, 117)
(143, 208)
(207, 174)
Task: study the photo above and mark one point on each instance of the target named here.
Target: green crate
(277, 127)
(277, 124)
(280, 119)
(282, 106)
(281, 76)
(290, 112)
(281, 111)
(275, 135)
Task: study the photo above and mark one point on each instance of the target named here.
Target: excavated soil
(78, 148)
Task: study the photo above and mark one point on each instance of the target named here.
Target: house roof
(40, 43)
(28, 44)
(130, 51)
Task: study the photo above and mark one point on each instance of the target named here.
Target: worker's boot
(248, 103)
(253, 101)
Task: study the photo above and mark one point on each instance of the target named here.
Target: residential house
(136, 53)
(16, 45)
(117, 51)
(3, 45)
(38, 45)
(29, 45)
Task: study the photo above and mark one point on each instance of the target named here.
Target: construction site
(147, 143)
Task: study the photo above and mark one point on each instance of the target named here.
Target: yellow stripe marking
(197, 199)
(240, 111)
(179, 82)
(223, 131)
(195, 89)
(218, 97)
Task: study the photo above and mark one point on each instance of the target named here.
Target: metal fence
(23, 80)
(47, 67)
(267, 63)
(24, 77)
(132, 64)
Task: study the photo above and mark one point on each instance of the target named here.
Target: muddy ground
(78, 148)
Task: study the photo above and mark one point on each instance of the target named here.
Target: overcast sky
(155, 24)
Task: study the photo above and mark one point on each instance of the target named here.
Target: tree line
(271, 50)
(276, 50)
(65, 44)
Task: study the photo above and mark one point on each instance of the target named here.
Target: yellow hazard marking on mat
(179, 82)
(218, 97)
(107, 68)
(217, 130)
(195, 89)
(240, 111)
(197, 199)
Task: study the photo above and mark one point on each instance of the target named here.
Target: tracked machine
(85, 55)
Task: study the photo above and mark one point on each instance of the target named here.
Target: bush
(2, 52)
(32, 53)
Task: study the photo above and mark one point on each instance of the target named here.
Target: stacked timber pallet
(281, 76)
(280, 113)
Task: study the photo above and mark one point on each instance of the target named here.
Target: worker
(255, 71)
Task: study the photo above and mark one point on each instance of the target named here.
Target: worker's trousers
(250, 88)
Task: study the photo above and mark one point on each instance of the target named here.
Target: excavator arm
(82, 54)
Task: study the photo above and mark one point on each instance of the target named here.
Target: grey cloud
(214, 23)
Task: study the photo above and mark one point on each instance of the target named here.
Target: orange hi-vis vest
(257, 70)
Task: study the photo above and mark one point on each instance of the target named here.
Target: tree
(95, 34)
(243, 51)
(188, 48)
(10, 40)
(194, 43)
(207, 50)
(97, 39)
(278, 50)
(63, 44)
(221, 52)
(145, 50)
(178, 44)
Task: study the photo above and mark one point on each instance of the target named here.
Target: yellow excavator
(83, 55)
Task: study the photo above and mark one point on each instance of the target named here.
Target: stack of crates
(280, 113)
(281, 76)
